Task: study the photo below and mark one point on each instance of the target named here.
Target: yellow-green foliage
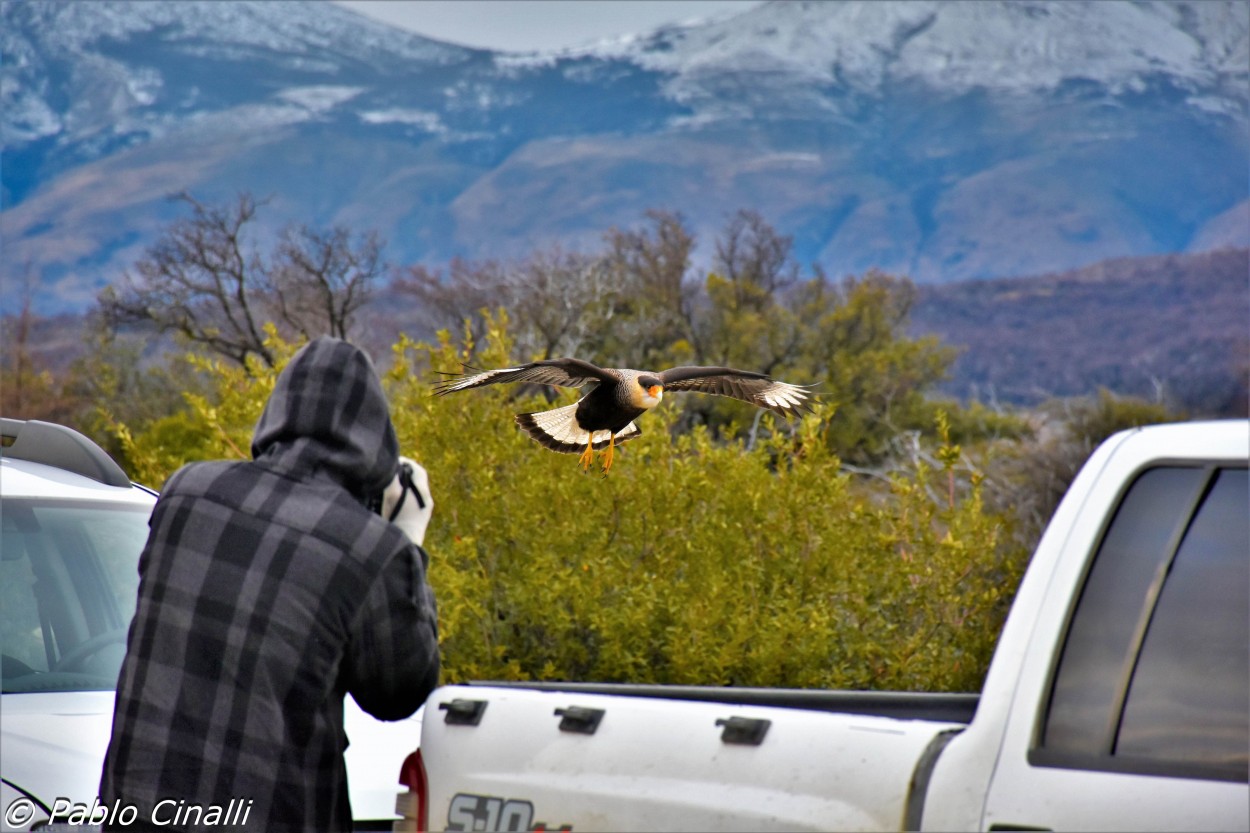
(209, 428)
(693, 561)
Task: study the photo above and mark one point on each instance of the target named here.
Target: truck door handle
(748, 731)
(579, 719)
(462, 712)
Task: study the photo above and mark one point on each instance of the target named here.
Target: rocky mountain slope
(944, 140)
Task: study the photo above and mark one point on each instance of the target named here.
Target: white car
(73, 528)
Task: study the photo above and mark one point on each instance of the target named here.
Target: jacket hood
(328, 414)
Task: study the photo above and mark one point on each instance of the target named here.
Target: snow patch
(424, 119)
(318, 98)
(144, 84)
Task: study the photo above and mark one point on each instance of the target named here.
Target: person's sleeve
(392, 661)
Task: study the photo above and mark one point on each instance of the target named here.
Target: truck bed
(638, 757)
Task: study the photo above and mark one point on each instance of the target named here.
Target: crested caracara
(605, 416)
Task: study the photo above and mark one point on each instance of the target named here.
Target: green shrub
(210, 426)
(693, 561)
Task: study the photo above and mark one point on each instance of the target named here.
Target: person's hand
(407, 502)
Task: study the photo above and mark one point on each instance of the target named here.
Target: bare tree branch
(205, 280)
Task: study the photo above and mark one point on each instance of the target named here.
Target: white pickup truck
(1118, 698)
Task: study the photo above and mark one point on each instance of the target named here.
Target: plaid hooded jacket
(267, 592)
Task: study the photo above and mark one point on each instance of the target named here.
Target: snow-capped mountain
(944, 140)
(955, 46)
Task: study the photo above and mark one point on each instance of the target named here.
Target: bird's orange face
(650, 392)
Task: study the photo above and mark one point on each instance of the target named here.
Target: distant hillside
(1175, 323)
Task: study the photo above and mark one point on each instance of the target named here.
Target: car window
(1165, 602)
(68, 582)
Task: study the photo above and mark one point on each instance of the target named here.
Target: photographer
(269, 590)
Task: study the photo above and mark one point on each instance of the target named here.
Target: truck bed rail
(903, 705)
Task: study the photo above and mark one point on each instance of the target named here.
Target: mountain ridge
(956, 45)
(917, 147)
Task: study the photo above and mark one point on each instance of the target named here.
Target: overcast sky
(522, 25)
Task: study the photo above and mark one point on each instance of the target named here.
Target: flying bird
(605, 415)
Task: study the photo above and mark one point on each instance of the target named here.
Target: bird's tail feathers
(558, 430)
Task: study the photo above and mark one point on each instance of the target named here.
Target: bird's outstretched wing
(565, 373)
(757, 388)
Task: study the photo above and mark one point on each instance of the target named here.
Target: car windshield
(68, 581)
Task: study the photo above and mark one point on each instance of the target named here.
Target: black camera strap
(405, 482)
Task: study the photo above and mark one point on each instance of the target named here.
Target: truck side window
(1165, 603)
(1190, 696)
(1098, 640)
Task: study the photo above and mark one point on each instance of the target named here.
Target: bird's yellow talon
(609, 454)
